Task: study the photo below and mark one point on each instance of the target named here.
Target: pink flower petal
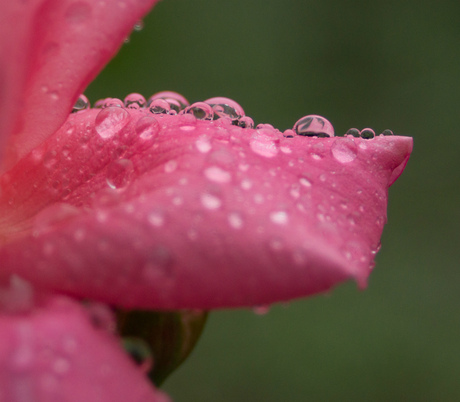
(54, 353)
(182, 213)
(49, 52)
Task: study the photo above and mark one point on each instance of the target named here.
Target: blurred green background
(381, 64)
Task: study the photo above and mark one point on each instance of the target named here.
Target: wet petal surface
(167, 212)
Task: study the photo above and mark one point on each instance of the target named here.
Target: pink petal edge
(50, 50)
(179, 213)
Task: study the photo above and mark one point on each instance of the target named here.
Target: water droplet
(246, 184)
(201, 110)
(77, 12)
(387, 132)
(82, 103)
(203, 145)
(344, 150)
(353, 132)
(261, 310)
(210, 201)
(264, 143)
(265, 125)
(138, 26)
(170, 166)
(235, 220)
(119, 173)
(314, 126)
(147, 128)
(367, 133)
(156, 218)
(188, 122)
(113, 102)
(218, 175)
(110, 121)
(225, 107)
(140, 352)
(159, 106)
(289, 133)
(134, 101)
(279, 217)
(246, 122)
(176, 101)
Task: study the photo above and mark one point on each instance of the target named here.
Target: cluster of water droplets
(172, 103)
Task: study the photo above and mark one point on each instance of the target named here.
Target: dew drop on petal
(387, 132)
(119, 173)
(314, 126)
(134, 101)
(110, 121)
(147, 127)
(344, 150)
(367, 133)
(264, 143)
(218, 175)
(113, 102)
(82, 103)
(188, 122)
(289, 133)
(235, 220)
(203, 145)
(279, 217)
(201, 111)
(156, 218)
(225, 107)
(138, 26)
(210, 201)
(246, 122)
(159, 106)
(175, 100)
(170, 166)
(353, 132)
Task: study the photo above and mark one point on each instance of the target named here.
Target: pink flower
(143, 210)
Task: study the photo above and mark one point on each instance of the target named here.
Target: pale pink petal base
(54, 353)
(178, 213)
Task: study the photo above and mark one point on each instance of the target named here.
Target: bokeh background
(388, 64)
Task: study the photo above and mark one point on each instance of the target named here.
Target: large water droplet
(367, 133)
(344, 150)
(264, 143)
(119, 173)
(82, 103)
(159, 106)
(134, 101)
(176, 101)
(147, 127)
(314, 126)
(225, 107)
(201, 110)
(110, 121)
